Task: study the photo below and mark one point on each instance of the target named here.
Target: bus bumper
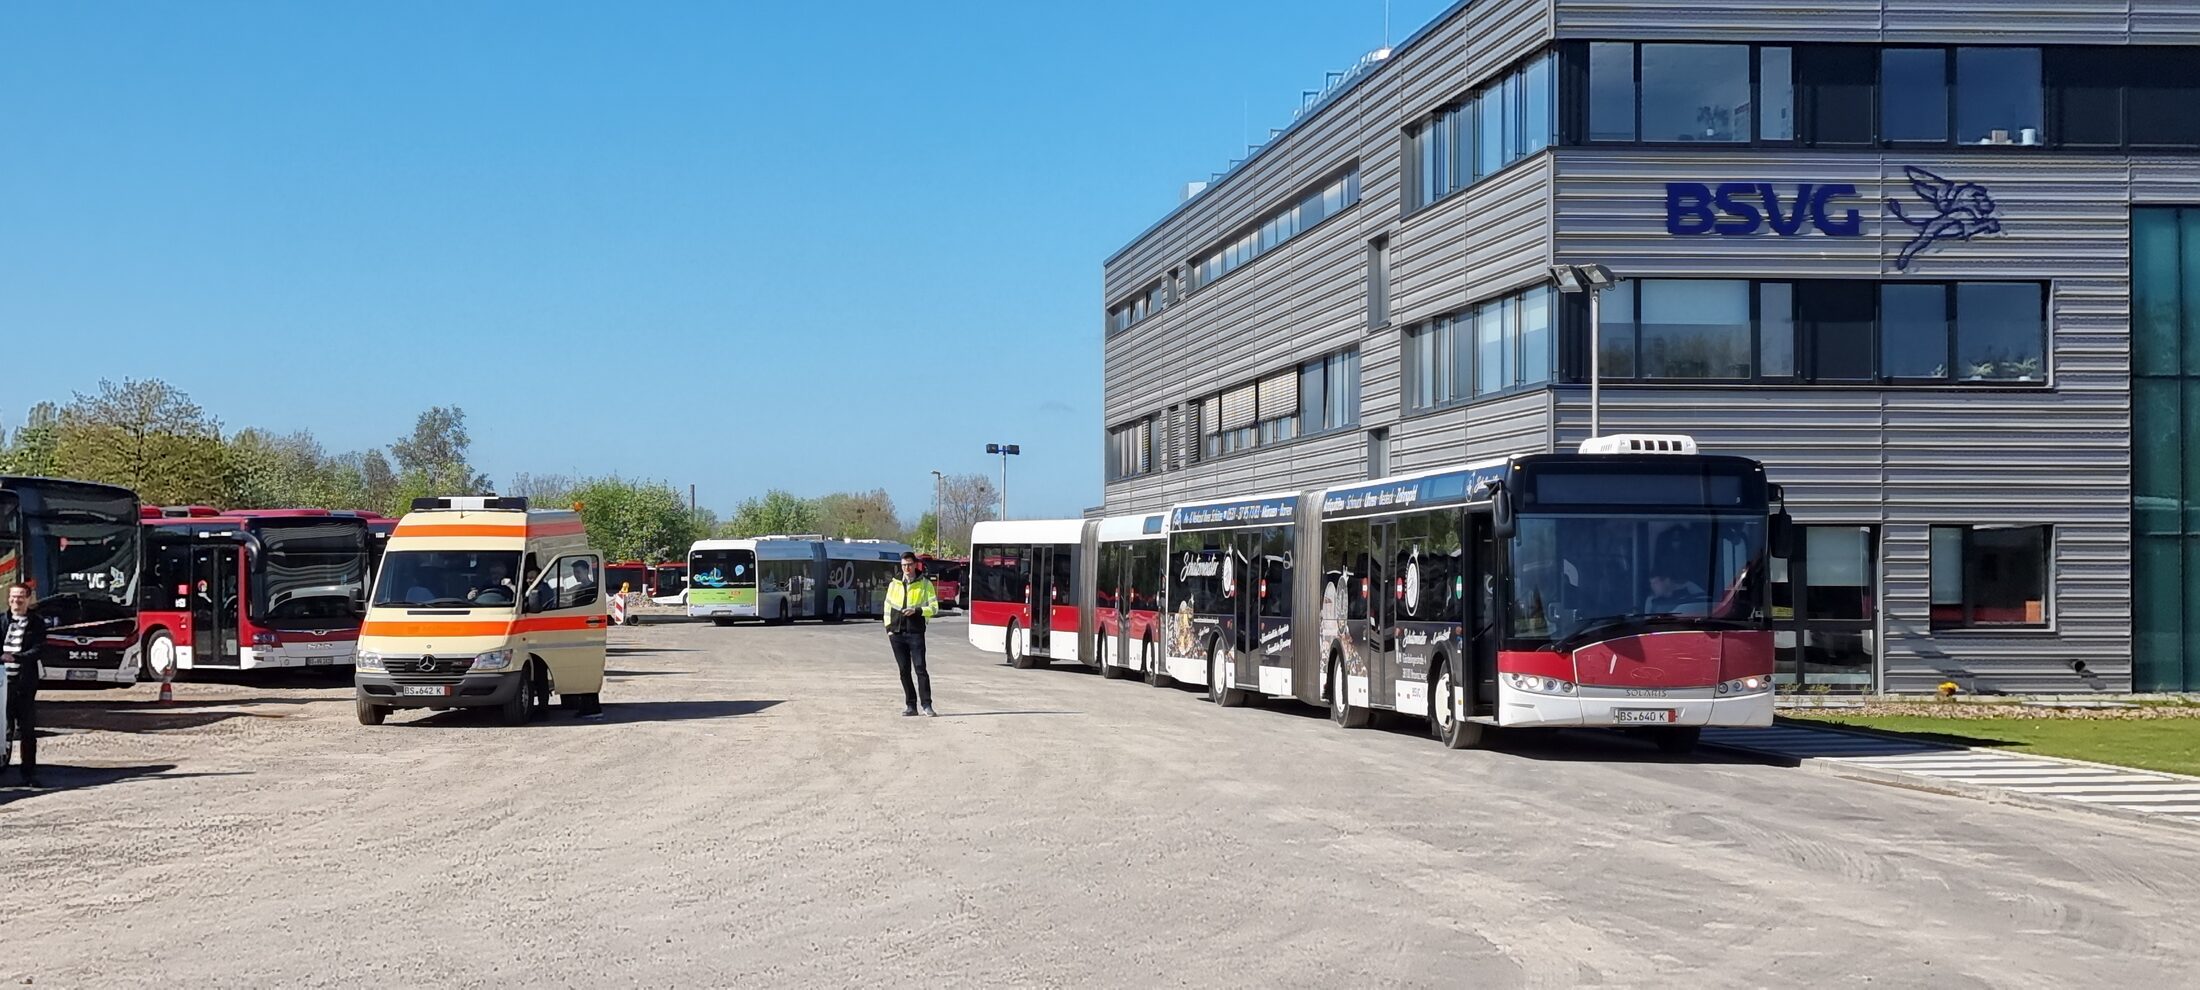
(467, 691)
(297, 655)
(1593, 708)
(721, 611)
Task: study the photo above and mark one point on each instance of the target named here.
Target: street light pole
(1593, 279)
(1003, 449)
(935, 513)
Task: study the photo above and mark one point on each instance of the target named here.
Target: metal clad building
(1885, 246)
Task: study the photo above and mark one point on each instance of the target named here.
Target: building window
(1314, 397)
(1131, 449)
(1301, 215)
(1776, 94)
(1133, 311)
(1835, 84)
(1491, 348)
(1695, 93)
(1507, 120)
(1329, 391)
(1611, 91)
(1989, 576)
(1378, 282)
(1277, 405)
(1913, 94)
(1823, 331)
(1998, 98)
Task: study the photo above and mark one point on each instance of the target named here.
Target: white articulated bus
(1024, 591)
(783, 578)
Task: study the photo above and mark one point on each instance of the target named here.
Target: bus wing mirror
(1780, 538)
(1501, 512)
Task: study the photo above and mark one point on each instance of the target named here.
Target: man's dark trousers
(23, 713)
(909, 653)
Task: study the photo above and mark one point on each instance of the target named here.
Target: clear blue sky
(708, 209)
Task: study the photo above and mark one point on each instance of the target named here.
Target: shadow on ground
(613, 713)
(67, 714)
(978, 714)
(68, 778)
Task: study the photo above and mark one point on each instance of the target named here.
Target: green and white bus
(784, 578)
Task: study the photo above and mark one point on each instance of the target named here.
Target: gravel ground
(755, 811)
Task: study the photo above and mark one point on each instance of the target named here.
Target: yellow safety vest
(898, 598)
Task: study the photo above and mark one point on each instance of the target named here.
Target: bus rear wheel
(838, 613)
(1149, 664)
(1341, 709)
(1443, 721)
(1013, 651)
(1111, 660)
(1219, 690)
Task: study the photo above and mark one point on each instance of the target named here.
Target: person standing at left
(910, 600)
(22, 636)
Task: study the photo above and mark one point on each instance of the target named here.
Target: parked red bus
(252, 588)
(653, 580)
(949, 575)
(1023, 594)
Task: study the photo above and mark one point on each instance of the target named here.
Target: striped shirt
(15, 636)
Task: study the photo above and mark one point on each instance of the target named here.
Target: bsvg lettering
(1738, 209)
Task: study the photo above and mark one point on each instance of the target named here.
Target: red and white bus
(252, 588)
(1623, 585)
(1024, 592)
(1129, 557)
(76, 544)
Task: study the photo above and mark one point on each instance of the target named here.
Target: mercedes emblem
(427, 665)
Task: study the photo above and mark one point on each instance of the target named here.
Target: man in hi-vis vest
(910, 600)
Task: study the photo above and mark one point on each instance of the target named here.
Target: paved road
(755, 810)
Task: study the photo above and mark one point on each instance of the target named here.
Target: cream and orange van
(482, 602)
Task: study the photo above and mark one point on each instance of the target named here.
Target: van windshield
(448, 579)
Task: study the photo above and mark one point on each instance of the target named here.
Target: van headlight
(493, 660)
(367, 660)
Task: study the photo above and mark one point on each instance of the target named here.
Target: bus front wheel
(1443, 720)
(159, 662)
(1219, 689)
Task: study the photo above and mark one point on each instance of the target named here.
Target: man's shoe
(929, 713)
(33, 782)
(911, 710)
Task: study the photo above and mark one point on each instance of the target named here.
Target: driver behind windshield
(1669, 594)
(496, 586)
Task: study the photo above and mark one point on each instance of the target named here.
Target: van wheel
(1341, 709)
(159, 661)
(369, 712)
(520, 707)
(1219, 690)
(1454, 732)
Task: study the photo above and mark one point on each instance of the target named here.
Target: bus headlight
(367, 660)
(493, 660)
(1538, 684)
(1745, 685)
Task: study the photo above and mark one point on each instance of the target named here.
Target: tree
(965, 501)
(922, 535)
(775, 512)
(31, 450)
(147, 436)
(635, 520)
(549, 489)
(436, 453)
(858, 515)
(264, 470)
(377, 483)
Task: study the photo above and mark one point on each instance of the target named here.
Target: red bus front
(253, 589)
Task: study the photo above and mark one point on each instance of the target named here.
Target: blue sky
(810, 246)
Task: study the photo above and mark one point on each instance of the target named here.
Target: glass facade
(2165, 449)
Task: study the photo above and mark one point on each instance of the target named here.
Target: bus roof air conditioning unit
(1640, 443)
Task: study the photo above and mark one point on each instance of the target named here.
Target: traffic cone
(167, 692)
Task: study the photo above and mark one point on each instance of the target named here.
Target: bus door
(1384, 592)
(1246, 559)
(214, 605)
(1484, 620)
(1040, 593)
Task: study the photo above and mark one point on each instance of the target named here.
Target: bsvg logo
(1738, 209)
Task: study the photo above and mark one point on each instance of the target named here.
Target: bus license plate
(430, 690)
(321, 661)
(82, 675)
(1641, 716)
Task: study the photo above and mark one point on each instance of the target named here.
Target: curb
(1835, 767)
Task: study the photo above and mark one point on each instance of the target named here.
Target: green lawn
(2171, 744)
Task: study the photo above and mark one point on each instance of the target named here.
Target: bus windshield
(448, 579)
(87, 549)
(310, 571)
(1579, 578)
(733, 568)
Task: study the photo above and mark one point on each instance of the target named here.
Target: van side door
(565, 625)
